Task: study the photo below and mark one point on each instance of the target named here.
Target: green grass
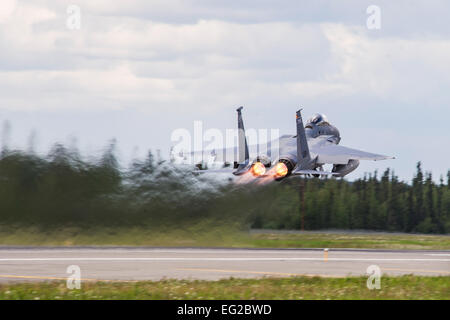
(350, 240)
(404, 287)
(212, 236)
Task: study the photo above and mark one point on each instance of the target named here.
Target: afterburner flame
(281, 169)
(258, 169)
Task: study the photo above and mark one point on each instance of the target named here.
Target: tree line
(62, 188)
(372, 202)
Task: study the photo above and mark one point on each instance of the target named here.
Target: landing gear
(318, 169)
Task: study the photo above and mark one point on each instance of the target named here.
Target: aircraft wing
(335, 154)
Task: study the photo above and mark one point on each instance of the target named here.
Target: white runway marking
(258, 251)
(225, 250)
(159, 263)
(217, 259)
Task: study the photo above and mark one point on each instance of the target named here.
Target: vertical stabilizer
(303, 155)
(243, 157)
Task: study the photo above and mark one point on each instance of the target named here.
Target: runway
(134, 264)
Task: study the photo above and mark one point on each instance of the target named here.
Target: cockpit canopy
(318, 119)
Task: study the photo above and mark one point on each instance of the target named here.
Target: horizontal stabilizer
(241, 170)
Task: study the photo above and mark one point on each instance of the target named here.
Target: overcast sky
(137, 70)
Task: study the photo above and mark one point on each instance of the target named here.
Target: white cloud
(7, 8)
(406, 70)
(143, 63)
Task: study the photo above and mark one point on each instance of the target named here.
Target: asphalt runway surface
(132, 264)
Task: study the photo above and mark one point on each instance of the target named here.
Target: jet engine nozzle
(258, 169)
(281, 170)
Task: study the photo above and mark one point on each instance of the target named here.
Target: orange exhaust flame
(268, 178)
(258, 169)
(281, 170)
(245, 178)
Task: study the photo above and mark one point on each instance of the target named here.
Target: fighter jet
(305, 153)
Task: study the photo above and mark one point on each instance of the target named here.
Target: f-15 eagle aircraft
(305, 153)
